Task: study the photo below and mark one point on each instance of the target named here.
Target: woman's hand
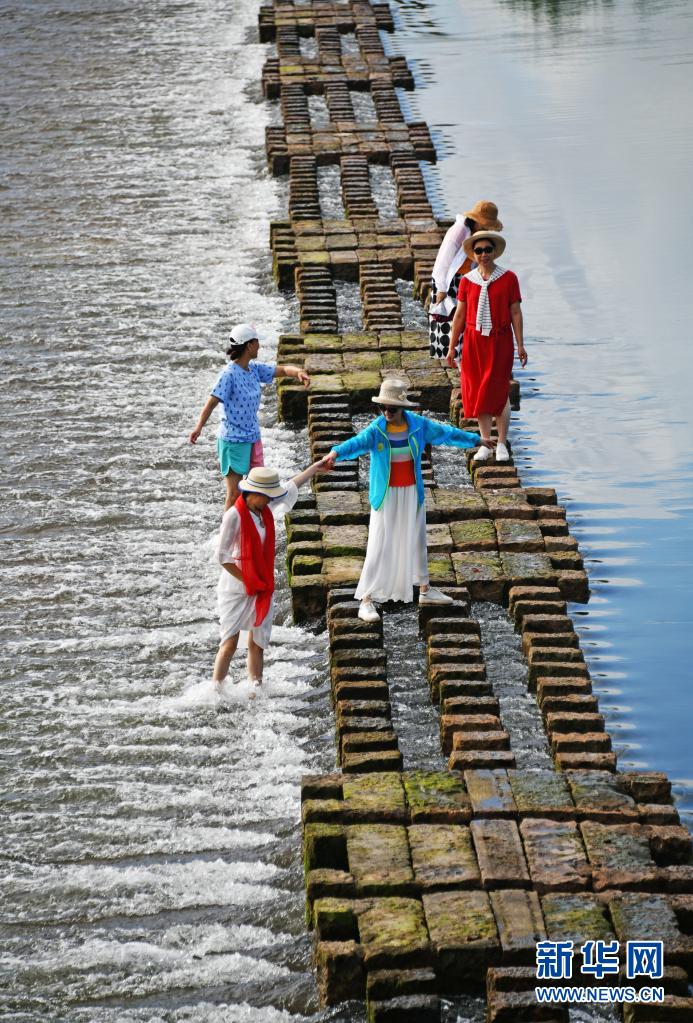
(327, 463)
(450, 357)
(522, 354)
(194, 436)
(440, 295)
(303, 377)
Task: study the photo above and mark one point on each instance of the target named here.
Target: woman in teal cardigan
(396, 555)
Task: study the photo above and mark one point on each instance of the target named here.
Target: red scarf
(257, 559)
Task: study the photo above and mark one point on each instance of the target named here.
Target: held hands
(327, 463)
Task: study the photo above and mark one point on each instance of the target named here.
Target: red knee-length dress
(487, 362)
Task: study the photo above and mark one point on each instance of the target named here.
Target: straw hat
(262, 480)
(485, 214)
(479, 236)
(394, 392)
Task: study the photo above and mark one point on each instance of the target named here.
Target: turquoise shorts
(240, 457)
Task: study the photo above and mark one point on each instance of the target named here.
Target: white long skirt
(396, 555)
(237, 613)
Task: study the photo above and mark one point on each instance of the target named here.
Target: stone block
(361, 742)
(635, 914)
(379, 862)
(583, 704)
(579, 760)
(438, 538)
(441, 572)
(324, 847)
(357, 761)
(490, 794)
(509, 504)
(386, 984)
(473, 535)
(500, 854)
(532, 593)
(335, 884)
(580, 742)
(437, 797)
(549, 685)
(548, 623)
(599, 796)
(558, 722)
(543, 667)
(336, 919)
(405, 1009)
(670, 845)
(556, 855)
(647, 786)
(450, 724)
(578, 917)
(619, 856)
(481, 741)
(541, 794)
(574, 585)
(461, 687)
(481, 572)
(393, 935)
(374, 797)
(443, 857)
(337, 571)
(340, 972)
(322, 811)
(480, 759)
(321, 786)
(473, 705)
(520, 923)
(464, 937)
(362, 689)
(519, 535)
(535, 640)
(447, 627)
(522, 608)
(459, 505)
(344, 540)
(527, 569)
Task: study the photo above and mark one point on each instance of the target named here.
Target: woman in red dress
(488, 310)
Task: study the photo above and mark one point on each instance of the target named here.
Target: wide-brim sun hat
(261, 480)
(479, 236)
(393, 392)
(242, 333)
(485, 214)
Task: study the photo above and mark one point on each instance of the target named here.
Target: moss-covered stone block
(340, 508)
(490, 794)
(527, 569)
(519, 535)
(599, 796)
(508, 504)
(437, 797)
(576, 917)
(305, 564)
(393, 934)
(542, 794)
(340, 972)
(356, 362)
(481, 572)
(324, 847)
(556, 855)
(324, 362)
(340, 570)
(464, 938)
(458, 505)
(520, 923)
(440, 571)
(619, 856)
(379, 859)
(374, 797)
(438, 538)
(443, 856)
(474, 535)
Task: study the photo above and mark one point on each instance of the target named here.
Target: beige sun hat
(478, 236)
(393, 392)
(485, 214)
(262, 480)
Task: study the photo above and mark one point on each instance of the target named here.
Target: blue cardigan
(374, 439)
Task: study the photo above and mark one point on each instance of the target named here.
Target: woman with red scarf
(245, 593)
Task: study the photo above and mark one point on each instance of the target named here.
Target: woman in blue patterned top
(238, 390)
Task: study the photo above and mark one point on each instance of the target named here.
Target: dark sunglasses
(484, 249)
(388, 408)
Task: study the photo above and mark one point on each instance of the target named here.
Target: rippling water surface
(150, 849)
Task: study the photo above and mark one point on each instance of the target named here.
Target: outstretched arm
(361, 444)
(444, 433)
(206, 412)
(293, 371)
(322, 465)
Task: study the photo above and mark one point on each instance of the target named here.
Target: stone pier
(424, 884)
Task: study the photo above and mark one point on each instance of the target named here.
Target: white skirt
(396, 556)
(237, 613)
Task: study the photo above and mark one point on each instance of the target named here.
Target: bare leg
(232, 491)
(223, 659)
(503, 422)
(256, 660)
(485, 423)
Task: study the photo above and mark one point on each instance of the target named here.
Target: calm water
(151, 865)
(573, 117)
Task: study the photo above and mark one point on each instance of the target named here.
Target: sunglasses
(388, 408)
(485, 249)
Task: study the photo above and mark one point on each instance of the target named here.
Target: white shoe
(433, 596)
(368, 611)
(482, 455)
(502, 453)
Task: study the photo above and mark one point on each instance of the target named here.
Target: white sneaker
(368, 611)
(482, 455)
(502, 453)
(433, 596)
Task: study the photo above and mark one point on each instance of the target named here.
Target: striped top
(401, 459)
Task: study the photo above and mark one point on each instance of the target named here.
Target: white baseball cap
(242, 333)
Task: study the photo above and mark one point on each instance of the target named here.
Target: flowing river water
(150, 842)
